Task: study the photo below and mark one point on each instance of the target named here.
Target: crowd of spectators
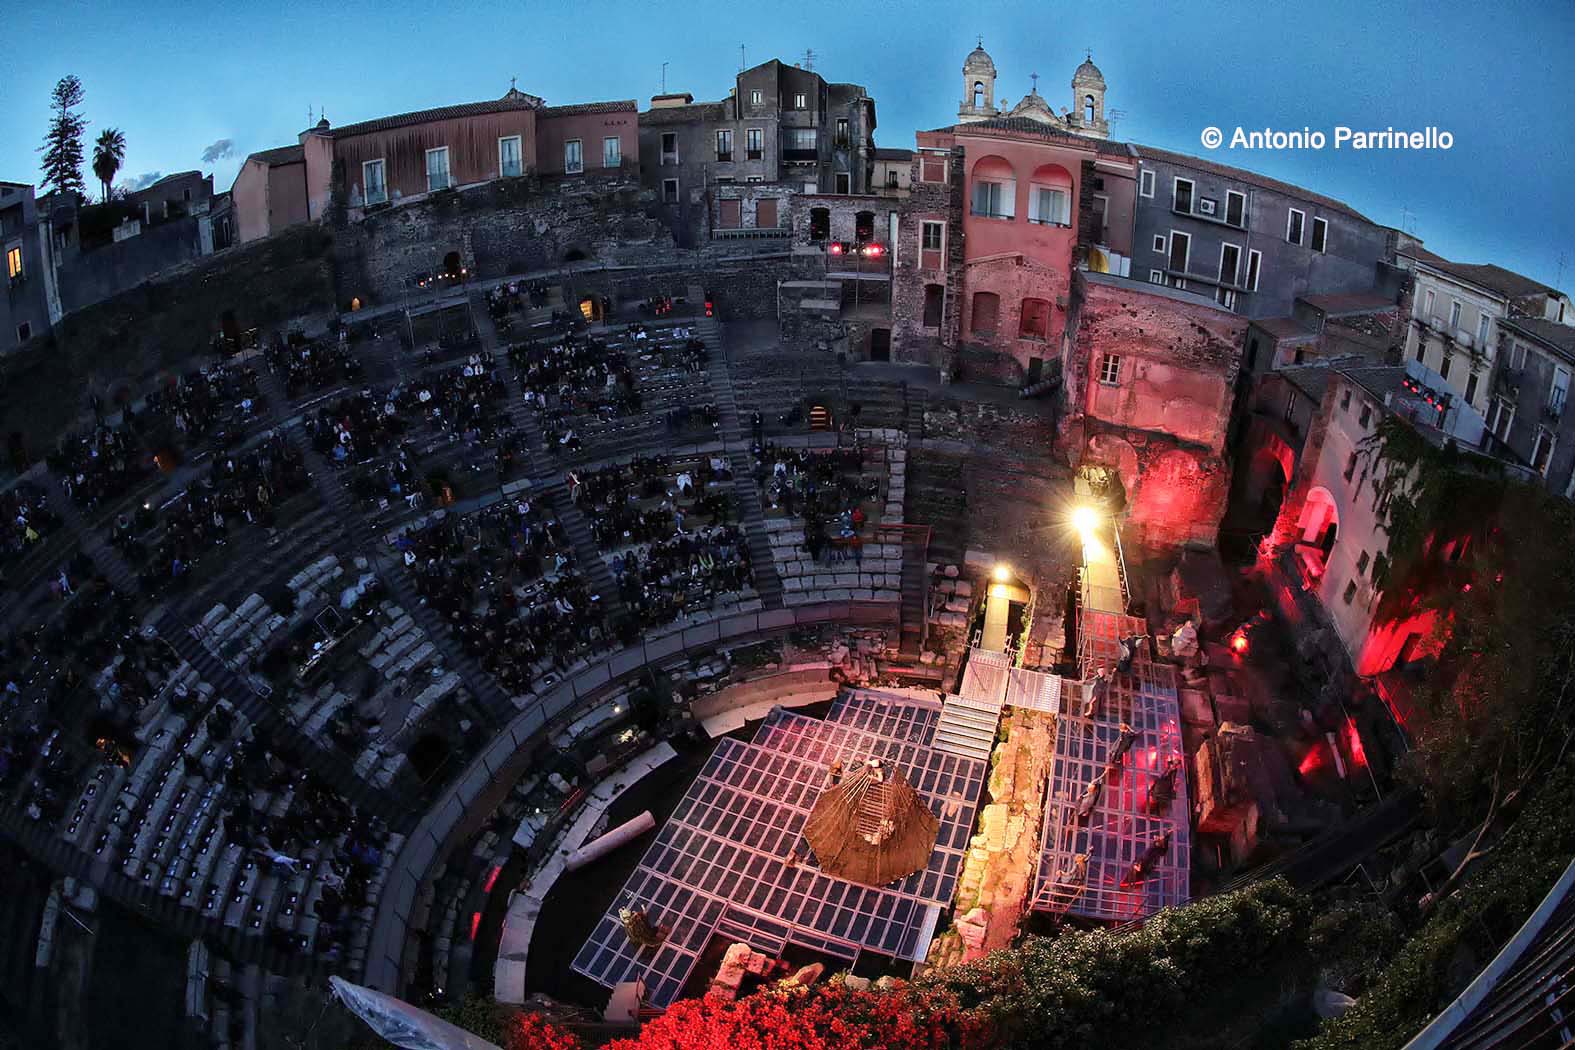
(101, 462)
(685, 573)
(505, 582)
(215, 401)
(305, 365)
(240, 488)
(824, 487)
(25, 520)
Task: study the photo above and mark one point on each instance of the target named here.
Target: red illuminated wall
(1163, 421)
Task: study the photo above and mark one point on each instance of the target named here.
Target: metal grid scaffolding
(985, 676)
(1120, 828)
(719, 864)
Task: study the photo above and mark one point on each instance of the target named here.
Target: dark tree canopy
(62, 148)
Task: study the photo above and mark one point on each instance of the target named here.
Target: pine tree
(62, 148)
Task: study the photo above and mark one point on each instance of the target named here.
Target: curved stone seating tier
(486, 780)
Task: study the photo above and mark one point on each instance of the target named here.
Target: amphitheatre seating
(866, 570)
(661, 396)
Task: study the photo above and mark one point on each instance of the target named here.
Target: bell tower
(1088, 101)
(978, 101)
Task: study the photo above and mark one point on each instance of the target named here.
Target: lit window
(374, 187)
(754, 98)
(1320, 234)
(799, 102)
(842, 131)
(437, 169)
(1110, 369)
(1542, 450)
(573, 158)
(13, 261)
(612, 152)
(510, 162)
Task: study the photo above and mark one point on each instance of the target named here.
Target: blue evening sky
(178, 77)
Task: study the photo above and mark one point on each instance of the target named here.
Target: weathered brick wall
(1164, 421)
(503, 227)
(1004, 355)
(911, 341)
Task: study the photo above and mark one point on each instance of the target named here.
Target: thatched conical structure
(871, 827)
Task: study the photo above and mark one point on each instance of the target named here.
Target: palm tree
(108, 151)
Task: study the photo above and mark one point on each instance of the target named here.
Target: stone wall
(942, 202)
(93, 276)
(503, 227)
(1163, 421)
(124, 343)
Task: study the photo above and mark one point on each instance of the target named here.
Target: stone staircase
(106, 559)
(736, 443)
(966, 728)
(937, 497)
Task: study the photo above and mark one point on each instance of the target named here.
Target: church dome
(1088, 73)
(978, 61)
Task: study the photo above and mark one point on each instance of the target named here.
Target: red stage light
(1238, 641)
(475, 923)
(492, 879)
(836, 248)
(1353, 743)
(873, 251)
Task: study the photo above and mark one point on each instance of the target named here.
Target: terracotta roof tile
(1507, 283)
(627, 105)
(273, 158)
(1028, 126)
(514, 101)
(1560, 336)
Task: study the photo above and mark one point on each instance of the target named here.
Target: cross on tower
(1035, 78)
(511, 82)
(981, 40)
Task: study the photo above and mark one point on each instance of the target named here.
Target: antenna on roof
(308, 114)
(742, 62)
(664, 78)
(1563, 259)
(1114, 115)
(809, 59)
